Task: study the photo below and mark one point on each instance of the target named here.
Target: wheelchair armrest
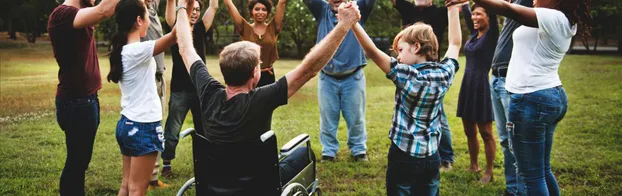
(293, 144)
(186, 132)
(266, 135)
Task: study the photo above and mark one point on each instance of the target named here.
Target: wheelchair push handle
(186, 132)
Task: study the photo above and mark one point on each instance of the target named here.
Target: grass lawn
(586, 158)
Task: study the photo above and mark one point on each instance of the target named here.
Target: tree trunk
(595, 43)
(12, 34)
(299, 51)
(570, 49)
(585, 43)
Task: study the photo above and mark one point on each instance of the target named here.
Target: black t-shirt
(434, 16)
(244, 117)
(180, 81)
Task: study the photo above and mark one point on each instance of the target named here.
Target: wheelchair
(249, 168)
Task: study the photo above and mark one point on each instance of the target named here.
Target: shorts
(137, 139)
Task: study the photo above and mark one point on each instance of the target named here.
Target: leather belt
(499, 71)
(343, 75)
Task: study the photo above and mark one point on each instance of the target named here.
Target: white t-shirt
(139, 96)
(538, 52)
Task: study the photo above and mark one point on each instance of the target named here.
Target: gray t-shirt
(154, 32)
(503, 52)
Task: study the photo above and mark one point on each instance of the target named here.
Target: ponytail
(119, 39)
(125, 16)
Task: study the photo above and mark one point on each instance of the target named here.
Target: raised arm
(184, 38)
(380, 58)
(235, 14)
(280, 14)
(210, 13)
(466, 12)
(523, 15)
(366, 7)
(323, 51)
(165, 42)
(90, 16)
(169, 14)
(454, 35)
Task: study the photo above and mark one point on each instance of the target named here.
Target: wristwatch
(180, 7)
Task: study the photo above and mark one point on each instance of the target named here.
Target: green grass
(586, 158)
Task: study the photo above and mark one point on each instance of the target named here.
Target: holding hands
(349, 13)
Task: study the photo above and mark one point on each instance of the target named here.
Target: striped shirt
(417, 125)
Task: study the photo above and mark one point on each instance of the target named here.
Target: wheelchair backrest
(242, 168)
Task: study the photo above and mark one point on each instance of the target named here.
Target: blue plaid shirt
(417, 125)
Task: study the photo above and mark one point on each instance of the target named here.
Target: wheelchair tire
(295, 189)
(185, 189)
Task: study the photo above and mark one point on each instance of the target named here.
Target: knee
(487, 136)
(471, 134)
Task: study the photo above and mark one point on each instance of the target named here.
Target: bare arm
(280, 14)
(235, 14)
(169, 13)
(184, 39)
(454, 34)
(523, 15)
(165, 42)
(323, 51)
(380, 58)
(210, 13)
(90, 16)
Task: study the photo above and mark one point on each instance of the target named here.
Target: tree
(299, 26)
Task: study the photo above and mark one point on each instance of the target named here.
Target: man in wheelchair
(236, 152)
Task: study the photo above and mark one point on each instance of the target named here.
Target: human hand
(450, 3)
(348, 13)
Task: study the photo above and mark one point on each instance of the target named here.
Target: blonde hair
(419, 33)
(238, 62)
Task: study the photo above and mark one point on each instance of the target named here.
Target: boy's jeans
(407, 175)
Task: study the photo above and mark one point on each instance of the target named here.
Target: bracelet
(180, 7)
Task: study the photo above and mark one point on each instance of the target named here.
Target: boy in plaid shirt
(421, 83)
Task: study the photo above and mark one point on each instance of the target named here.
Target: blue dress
(474, 102)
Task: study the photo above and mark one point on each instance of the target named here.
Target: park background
(586, 158)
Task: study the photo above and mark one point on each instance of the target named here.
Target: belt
(499, 71)
(343, 75)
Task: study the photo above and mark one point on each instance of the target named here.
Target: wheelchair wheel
(187, 188)
(295, 189)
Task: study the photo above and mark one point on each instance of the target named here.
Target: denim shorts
(137, 139)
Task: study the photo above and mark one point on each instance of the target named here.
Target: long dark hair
(125, 16)
(577, 12)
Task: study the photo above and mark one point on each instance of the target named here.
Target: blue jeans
(79, 119)
(178, 106)
(444, 147)
(407, 175)
(500, 102)
(532, 120)
(348, 96)
(138, 139)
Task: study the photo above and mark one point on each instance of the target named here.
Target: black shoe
(361, 158)
(327, 159)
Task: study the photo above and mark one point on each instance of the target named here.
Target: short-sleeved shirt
(432, 15)
(503, 52)
(350, 54)
(180, 80)
(244, 117)
(76, 54)
(267, 41)
(154, 32)
(420, 88)
(538, 52)
(140, 101)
